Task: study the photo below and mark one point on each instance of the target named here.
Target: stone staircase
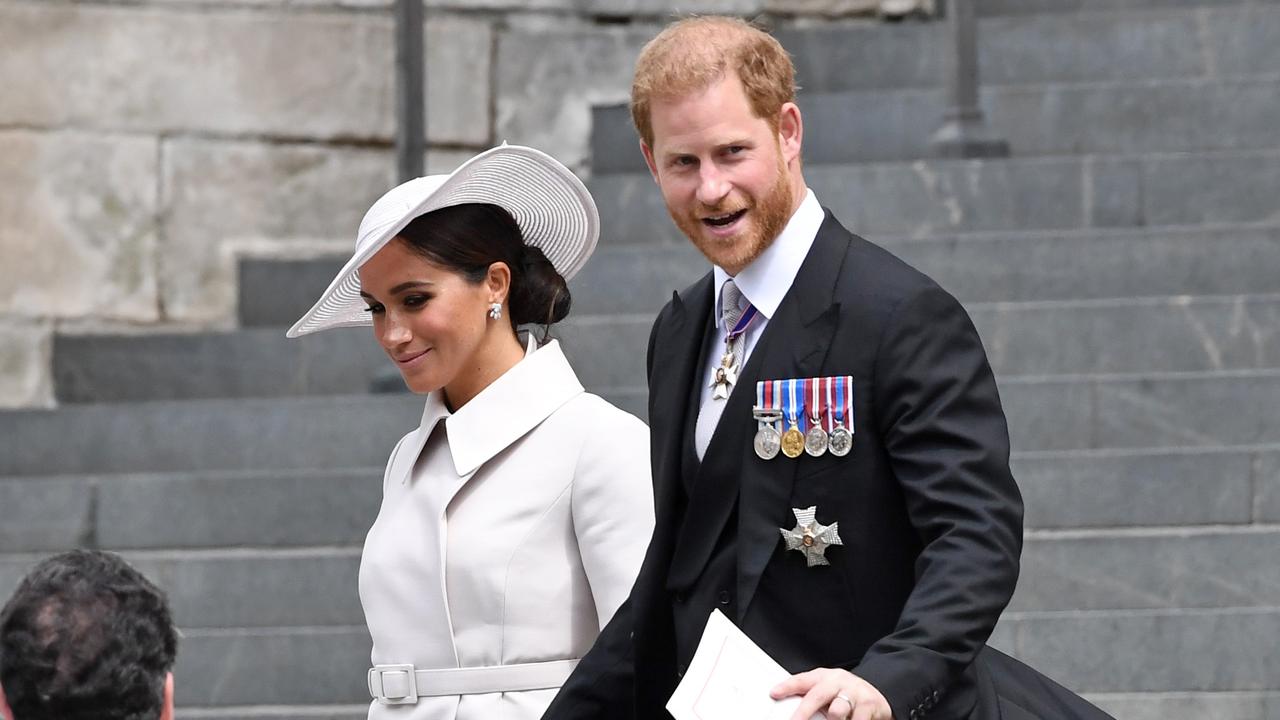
(1123, 268)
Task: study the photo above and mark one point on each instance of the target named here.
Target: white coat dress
(509, 532)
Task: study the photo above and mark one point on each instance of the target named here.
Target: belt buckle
(404, 684)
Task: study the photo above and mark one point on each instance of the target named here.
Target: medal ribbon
(747, 316)
(839, 402)
(789, 404)
(829, 382)
(815, 409)
(848, 379)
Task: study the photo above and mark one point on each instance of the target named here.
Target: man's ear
(166, 712)
(648, 159)
(790, 131)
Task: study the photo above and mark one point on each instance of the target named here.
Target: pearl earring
(495, 310)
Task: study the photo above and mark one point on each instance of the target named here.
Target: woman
(515, 517)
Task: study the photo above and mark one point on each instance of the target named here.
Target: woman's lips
(413, 360)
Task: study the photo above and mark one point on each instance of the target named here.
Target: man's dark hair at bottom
(86, 635)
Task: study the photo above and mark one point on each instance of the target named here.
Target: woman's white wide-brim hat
(552, 206)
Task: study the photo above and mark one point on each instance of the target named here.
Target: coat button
(724, 597)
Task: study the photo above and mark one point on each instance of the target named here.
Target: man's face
(727, 177)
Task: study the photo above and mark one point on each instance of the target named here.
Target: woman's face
(430, 320)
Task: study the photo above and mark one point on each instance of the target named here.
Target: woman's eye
(414, 301)
(373, 309)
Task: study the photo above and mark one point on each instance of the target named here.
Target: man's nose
(712, 185)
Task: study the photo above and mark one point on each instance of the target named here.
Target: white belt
(403, 685)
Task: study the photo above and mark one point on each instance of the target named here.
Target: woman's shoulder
(600, 414)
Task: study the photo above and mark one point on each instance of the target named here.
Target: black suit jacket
(929, 513)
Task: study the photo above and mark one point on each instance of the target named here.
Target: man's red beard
(767, 217)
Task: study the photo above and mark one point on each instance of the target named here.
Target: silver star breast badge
(725, 377)
(810, 536)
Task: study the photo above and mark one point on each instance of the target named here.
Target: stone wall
(145, 145)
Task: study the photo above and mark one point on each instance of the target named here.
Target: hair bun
(539, 295)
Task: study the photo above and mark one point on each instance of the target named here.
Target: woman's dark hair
(468, 238)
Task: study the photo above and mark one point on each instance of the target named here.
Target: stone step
(1111, 40)
(1149, 651)
(940, 197)
(272, 509)
(1152, 335)
(1228, 486)
(1035, 7)
(334, 508)
(1162, 568)
(1132, 117)
(990, 267)
(1178, 334)
(259, 362)
(250, 588)
(1252, 705)
(1149, 569)
(1046, 413)
(1013, 266)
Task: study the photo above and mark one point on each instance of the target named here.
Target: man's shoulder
(869, 269)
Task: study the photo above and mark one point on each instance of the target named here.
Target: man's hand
(838, 694)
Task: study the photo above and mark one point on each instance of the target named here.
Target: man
(876, 566)
(86, 636)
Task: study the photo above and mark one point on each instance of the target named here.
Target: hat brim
(553, 208)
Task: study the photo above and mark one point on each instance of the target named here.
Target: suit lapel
(676, 348)
(799, 340)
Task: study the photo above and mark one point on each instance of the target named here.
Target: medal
(815, 439)
(841, 440)
(767, 441)
(792, 439)
(726, 375)
(811, 537)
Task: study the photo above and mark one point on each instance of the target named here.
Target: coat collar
(505, 411)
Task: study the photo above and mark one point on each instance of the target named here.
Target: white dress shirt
(763, 283)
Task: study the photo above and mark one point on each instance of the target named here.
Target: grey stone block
(1176, 569)
(305, 666)
(259, 362)
(1134, 117)
(635, 279)
(547, 81)
(79, 229)
(1150, 335)
(267, 434)
(1188, 411)
(1212, 188)
(25, 364)
(1266, 480)
(607, 353)
(1077, 490)
(1244, 39)
(1048, 414)
(1005, 267)
(258, 509)
(1096, 264)
(319, 75)
(275, 293)
(246, 589)
(44, 513)
(1153, 651)
(1190, 706)
(221, 198)
(1018, 7)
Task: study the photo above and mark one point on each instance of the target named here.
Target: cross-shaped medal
(725, 376)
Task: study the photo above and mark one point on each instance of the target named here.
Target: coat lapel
(798, 344)
(676, 347)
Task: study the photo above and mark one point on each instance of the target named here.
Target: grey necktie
(709, 413)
